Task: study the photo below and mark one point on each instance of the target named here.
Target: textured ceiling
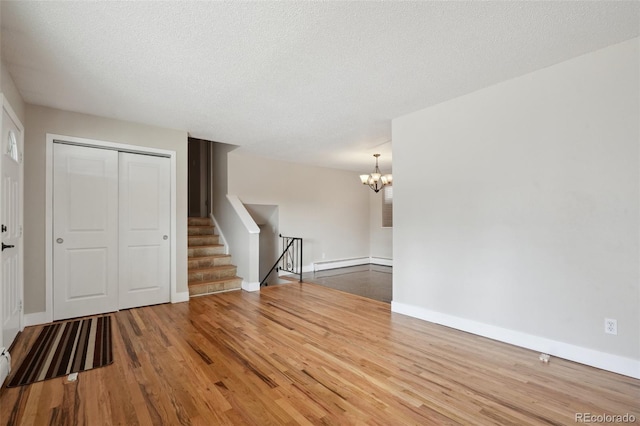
(312, 82)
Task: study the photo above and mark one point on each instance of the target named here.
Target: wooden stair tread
(209, 256)
(202, 240)
(217, 280)
(199, 221)
(204, 250)
(212, 268)
(201, 230)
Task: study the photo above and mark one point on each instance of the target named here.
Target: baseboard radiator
(5, 365)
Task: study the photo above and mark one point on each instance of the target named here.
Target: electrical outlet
(610, 326)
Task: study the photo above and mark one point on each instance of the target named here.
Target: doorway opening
(199, 178)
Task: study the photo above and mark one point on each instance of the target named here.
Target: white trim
(383, 261)
(342, 263)
(48, 229)
(112, 146)
(247, 286)
(222, 239)
(182, 296)
(615, 363)
(49, 207)
(174, 212)
(243, 214)
(36, 318)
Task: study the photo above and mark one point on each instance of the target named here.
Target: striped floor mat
(66, 347)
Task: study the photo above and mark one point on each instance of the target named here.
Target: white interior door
(85, 231)
(11, 235)
(145, 215)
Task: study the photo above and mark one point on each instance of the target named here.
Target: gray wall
(517, 206)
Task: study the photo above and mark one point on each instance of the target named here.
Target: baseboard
(383, 261)
(36, 318)
(183, 296)
(614, 363)
(333, 264)
(344, 263)
(247, 286)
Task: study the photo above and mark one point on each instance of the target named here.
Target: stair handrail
(289, 243)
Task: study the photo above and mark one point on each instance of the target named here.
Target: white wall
(380, 239)
(240, 231)
(266, 217)
(517, 208)
(219, 177)
(42, 120)
(328, 208)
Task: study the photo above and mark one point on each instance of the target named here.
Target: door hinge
(20, 156)
(20, 305)
(20, 231)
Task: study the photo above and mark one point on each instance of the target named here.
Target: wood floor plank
(306, 354)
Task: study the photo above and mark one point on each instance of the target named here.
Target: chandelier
(376, 180)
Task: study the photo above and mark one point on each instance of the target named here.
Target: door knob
(59, 241)
(165, 237)
(5, 246)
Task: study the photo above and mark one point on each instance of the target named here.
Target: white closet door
(145, 213)
(85, 226)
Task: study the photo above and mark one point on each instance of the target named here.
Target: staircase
(210, 270)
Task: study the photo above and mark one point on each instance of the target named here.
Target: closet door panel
(85, 231)
(144, 230)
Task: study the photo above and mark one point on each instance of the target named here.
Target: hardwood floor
(372, 281)
(306, 354)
